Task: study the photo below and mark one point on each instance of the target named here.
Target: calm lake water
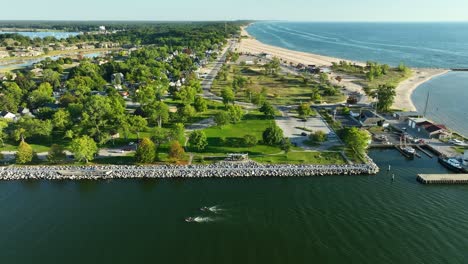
(426, 45)
(447, 100)
(43, 34)
(439, 45)
(338, 219)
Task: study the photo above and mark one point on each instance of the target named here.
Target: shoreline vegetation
(404, 89)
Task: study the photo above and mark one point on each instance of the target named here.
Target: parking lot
(293, 128)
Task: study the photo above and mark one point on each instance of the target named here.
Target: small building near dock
(404, 116)
(369, 118)
(427, 128)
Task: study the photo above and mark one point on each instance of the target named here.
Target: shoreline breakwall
(222, 169)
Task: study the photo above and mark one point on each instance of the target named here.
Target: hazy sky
(303, 10)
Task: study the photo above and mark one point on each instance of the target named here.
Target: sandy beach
(248, 44)
(406, 88)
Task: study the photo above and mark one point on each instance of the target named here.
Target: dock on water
(443, 178)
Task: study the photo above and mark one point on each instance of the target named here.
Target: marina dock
(443, 178)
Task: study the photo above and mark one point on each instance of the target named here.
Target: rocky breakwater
(223, 169)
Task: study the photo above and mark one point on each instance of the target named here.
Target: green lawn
(253, 123)
(280, 90)
(303, 158)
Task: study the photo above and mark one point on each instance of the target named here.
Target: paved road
(214, 69)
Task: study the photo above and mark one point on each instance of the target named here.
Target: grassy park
(278, 89)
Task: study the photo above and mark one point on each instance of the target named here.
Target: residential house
(369, 118)
(37, 71)
(404, 116)
(9, 116)
(23, 111)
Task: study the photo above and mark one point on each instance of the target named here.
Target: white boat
(409, 150)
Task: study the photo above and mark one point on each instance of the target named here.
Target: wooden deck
(443, 178)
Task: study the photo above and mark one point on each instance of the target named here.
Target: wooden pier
(443, 178)
(424, 151)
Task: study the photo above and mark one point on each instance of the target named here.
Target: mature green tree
(318, 136)
(11, 99)
(249, 140)
(356, 139)
(286, 145)
(56, 154)
(200, 104)
(52, 77)
(145, 95)
(146, 151)
(304, 110)
(160, 136)
(91, 70)
(41, 96)
(186, 94)
(25, 153)
(69, 134)
(236, 113)
(176, 152)
(228, 95)
(158, 112)
(198, 140)
(80, 86)
(137, 124)
(3, 135)
(323, 78)
(386, 96)
(272, 67)
(273, 135)
(239, 82)
(25, 82)
(84, 148)
(185, 113)
(61, 119)
(177, 131)
(268, 110)
(101, 115)
(29, 127)
(222, 118)
(315, 94)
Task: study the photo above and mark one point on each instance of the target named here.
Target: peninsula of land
(249, 44)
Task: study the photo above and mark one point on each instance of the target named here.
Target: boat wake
(213, 209)
(200, 219)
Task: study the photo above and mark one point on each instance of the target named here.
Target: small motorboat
(190, 219)
(452, 164)
(205, 209)
(409, 151)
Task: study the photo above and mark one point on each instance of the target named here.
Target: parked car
(304, 134)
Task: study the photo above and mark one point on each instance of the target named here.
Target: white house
(8, 115)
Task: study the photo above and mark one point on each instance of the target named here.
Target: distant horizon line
(237, 20)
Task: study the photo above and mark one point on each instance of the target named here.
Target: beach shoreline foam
(405, 89)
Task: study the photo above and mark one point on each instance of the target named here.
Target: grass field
(280, 90)
(303, 158)
(227, 139)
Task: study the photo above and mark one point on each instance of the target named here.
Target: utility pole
(427, 102)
